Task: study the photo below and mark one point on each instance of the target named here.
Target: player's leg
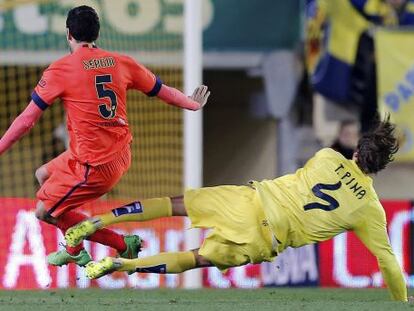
(175, 262)
(138, 211)
(127, 246)
(76, 255)
(42, 174)
(42, 214)
(70, 254)
(70, 185)
(101, 180)
(134, 212)
(240, 235)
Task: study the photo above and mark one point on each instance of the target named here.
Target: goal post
(193, 121)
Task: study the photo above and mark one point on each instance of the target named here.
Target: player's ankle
(97, 222)
(73, 251)
(118, 263)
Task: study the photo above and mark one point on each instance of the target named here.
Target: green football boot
(62, 257)
(133, 243)
(107, 265)
(76, 234)
(98, 269)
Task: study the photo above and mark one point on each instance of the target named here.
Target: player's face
(396, 3)
(349, 135)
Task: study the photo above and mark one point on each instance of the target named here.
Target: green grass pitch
(196, 300)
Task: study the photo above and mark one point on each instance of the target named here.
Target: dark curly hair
(377, 147)
(83, 23)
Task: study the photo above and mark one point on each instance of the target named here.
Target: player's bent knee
(42, 214)
(178, 208)
(41, 174)
(40, 211)
(201, 262)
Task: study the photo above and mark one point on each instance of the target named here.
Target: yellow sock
(138, 211)
(161, 263)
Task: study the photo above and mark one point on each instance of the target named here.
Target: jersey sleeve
(142, 79)
(49, 88)
(372, 232)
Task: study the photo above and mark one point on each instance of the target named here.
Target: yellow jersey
(326, 197)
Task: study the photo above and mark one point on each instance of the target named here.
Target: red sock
(66, 221)
(102, 236)
(109, 238)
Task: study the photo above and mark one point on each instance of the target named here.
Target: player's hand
(200, 95)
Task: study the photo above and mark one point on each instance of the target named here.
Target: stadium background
(258, 101)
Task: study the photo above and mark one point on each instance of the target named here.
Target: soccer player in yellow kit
(255, 223)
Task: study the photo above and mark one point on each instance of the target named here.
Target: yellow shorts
(241, 233)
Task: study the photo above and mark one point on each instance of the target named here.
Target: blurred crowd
(341, 62)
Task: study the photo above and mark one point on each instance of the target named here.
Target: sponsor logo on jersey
(42, 83)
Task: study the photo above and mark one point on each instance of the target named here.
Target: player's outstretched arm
(374, 236)
(142, 79)
(176, 98)
(20, 126)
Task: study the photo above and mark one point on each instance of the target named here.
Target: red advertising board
(345, 262)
